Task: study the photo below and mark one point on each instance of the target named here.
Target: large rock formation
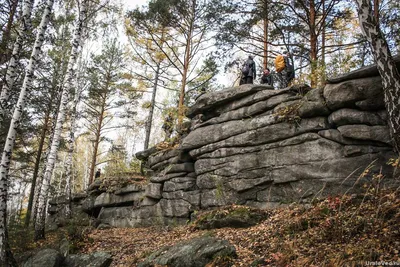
(255, 146)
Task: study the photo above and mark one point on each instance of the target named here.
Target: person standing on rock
(289, 68)
(98, 174)
(248, 71)
(266, 78)
(168, 125)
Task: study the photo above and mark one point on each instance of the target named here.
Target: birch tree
(24, 26)
(43, 196)
(46, 101)
(48, 106)
(386, 67)
(6, 258)
(71, 145)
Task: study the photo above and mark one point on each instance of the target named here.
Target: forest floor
(340, 231)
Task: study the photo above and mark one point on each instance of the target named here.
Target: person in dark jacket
(266, 78)
(248, 71)
(168, 125)
(98, 174)
(289, 68)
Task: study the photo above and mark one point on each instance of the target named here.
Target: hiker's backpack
(279, 63)
(245, 69)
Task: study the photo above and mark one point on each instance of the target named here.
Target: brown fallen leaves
(341, 231)
(337, 231)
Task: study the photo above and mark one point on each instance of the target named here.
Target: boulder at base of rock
(97, 259)
(46, 257)
(235, 216)
(196, 252)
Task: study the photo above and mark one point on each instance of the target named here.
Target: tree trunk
(376, 11)
(386, 67)
(14, 125)
(153, 102)
(36, 169)
(323, 37)
(39, 181)
(36, 185)
(313, 45)
(71, 148)
(4, 51)
(181, 108)
(42, 199)
(97, 142)
(265, 62)
(11, 74)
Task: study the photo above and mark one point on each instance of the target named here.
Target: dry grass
(340, 231)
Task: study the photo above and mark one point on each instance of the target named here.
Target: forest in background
(85, 84)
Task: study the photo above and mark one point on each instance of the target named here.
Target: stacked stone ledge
(255, 146)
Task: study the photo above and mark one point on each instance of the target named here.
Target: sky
(133, 3)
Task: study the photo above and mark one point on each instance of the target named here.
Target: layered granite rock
(255, 146)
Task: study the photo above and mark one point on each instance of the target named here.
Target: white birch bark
(15, 122)
(385, 65)
(24, 26)
(71, 148)
(43, 196)
(39, 181)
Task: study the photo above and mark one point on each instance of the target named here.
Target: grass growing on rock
(112, 184)
(232, 216)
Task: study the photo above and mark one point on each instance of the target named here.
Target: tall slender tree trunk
(35, 185)
(43, 136)
(11, 74)
(39, 180)
(21, 201)
(86, 176)
(71, 148)
(323, 37)
(43, 196)
(376, 11)
(97, 141)
(386, 67)
(313, 45)
(181, 107)
(6, 258)
(265, 61)
(149, 122)
(151, 111)
(4, 51)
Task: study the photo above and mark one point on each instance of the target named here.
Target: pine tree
(107, 92)
(187, 39)
(147, 41)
